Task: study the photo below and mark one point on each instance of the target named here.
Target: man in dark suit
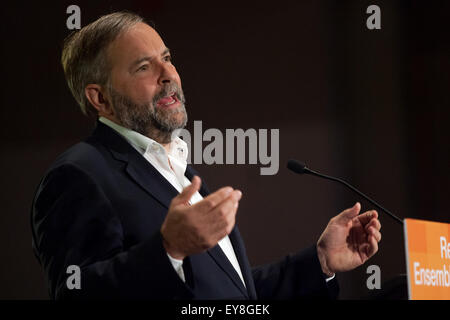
(125, 207)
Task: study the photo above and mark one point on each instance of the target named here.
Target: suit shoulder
(85, 156)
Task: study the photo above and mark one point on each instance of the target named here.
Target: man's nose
(168, 74)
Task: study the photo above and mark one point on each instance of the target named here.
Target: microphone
(301, 168)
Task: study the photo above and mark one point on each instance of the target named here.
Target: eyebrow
(146, 58)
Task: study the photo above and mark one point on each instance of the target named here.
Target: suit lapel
(241, 255)
(136, 166)
(190, 173)
(144, 174)
(221, 259)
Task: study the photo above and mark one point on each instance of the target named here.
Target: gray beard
(155, 123)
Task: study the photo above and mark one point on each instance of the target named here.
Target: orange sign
(428, 259)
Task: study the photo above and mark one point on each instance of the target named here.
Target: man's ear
(99, 100)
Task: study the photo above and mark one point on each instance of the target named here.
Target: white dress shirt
(172, 166)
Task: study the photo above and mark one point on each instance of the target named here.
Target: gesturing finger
(349, 214)
(214, 199)
(375, 223)
(375, 233)
(188, 192)
(228, 205)
(225, 213)
(373, 246)
(365, 217)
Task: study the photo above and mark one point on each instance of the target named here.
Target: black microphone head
(297, 166)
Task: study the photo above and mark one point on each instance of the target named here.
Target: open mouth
(168, 100)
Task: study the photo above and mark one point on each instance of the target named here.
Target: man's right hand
(194, 229)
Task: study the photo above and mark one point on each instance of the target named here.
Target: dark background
(370, 106)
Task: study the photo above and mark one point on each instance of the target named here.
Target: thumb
(350, 213)
(188, 192)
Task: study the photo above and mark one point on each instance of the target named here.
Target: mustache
(166, 90)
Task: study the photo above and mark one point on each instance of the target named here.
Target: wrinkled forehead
(139, 41)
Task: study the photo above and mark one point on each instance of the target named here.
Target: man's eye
(168, 58)
(143, 68)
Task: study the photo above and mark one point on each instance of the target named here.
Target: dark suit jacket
(101, 205)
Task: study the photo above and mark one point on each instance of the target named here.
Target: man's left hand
(349, 240)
